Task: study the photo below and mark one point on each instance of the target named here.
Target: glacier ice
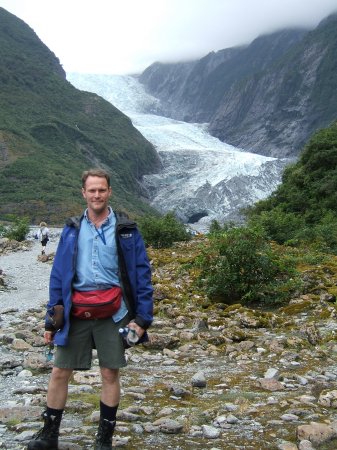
(202, 178)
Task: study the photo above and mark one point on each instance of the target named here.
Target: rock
(168, 426)
(270, 384)
(316, 433)
(165, 412)
(199, 380)
(200, 325)
(289, 417)
(9, 361)
(35, 361)
(328, 399)
(305, 445)
(210, 432)
(20, 344)
(287, 446)
(8, 413)
(313, 334)
(232, 419)
(161, 341)
(272, 373)
(179, 391)
(25, 374)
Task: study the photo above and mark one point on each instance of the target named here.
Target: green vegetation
(50, 132)
(294, 228)
(303, 210)
(17, 229)
(161, 232)
(240, 265)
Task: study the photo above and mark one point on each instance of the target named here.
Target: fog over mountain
(202, 178)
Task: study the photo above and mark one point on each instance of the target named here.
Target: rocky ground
(211, 377)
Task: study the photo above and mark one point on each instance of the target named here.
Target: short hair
(95, 173)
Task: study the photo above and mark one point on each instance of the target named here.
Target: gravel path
(27, 278)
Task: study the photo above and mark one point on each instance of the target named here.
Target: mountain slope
(193, 91)
(275, 111)
(50, 132)
(268, 97)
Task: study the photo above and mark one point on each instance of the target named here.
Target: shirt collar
(107, 220)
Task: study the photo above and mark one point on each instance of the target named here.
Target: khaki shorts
(86, 335)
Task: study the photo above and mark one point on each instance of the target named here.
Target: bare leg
(110, 394)
(58, 388)
(48, 436)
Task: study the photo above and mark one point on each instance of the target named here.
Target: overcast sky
(126, 36)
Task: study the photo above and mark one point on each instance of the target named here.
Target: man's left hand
(139, 330)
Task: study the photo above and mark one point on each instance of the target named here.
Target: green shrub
(278, 225)
(215, 227)
(303, 209)
(163, 231)
(17, 230)
(241, 265)
(322, 236)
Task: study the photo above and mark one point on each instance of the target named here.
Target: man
(98, 253)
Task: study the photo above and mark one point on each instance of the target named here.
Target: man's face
(97, 194)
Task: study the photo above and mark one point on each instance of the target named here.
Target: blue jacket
(134, 268)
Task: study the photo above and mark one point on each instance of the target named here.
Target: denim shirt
(97, 260)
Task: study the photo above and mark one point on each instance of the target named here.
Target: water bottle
(130, 335)
(49, 352)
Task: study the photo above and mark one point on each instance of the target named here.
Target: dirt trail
(27, 278)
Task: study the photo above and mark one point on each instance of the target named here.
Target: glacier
(202, 179)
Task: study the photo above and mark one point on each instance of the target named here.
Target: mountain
(192, 91)
(201, 178)
(50, 132)
(268, 97)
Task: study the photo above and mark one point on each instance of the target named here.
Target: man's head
(95, 173)
(96, 190)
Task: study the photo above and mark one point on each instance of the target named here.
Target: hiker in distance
(43, 236)
(111, 264)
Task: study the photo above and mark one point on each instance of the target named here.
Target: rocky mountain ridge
(268, 97)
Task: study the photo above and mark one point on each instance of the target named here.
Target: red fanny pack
(96, 304)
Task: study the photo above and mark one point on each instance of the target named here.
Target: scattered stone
(305, 445)
(287, 446)
(317, 433)
(328, 399)
(168, 426)
(210, 432)
(270, 384)
(199, 380)
(219, 348)
(272, 373)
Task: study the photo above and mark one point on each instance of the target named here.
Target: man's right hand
(48, 337)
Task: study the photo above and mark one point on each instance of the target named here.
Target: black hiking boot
(47, 437)
(104, 434)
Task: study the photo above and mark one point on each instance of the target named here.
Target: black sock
(54, 412)
(108, 412)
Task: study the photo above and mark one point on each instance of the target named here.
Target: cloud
(114, 36)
